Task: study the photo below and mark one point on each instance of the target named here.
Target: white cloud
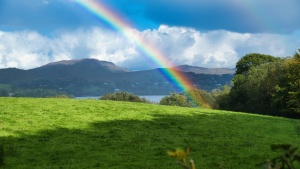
(216, 48)
(29, 49)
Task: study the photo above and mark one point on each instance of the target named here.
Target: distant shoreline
(152, 98)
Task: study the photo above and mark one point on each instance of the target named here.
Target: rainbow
(157, 57)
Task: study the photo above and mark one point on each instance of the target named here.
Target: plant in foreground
(298, 131)
(181, 156)
(287, 159)
(1, 155)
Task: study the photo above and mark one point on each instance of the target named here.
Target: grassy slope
(65, 133)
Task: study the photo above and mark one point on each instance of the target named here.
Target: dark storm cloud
(253, 16)
(42, 15)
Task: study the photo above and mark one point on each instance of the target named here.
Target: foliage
(254, 83)
(181, 155)
(253, 92)
(289, 159)
(252, 60)
(265, 85)
(61, 96)
(287, 95)
(222, 98)
(41, 93)
(200, 98)
(192, 98)
(175, 100)
(123, 96)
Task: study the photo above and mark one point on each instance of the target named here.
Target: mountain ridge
(202, 70)
(93, 77)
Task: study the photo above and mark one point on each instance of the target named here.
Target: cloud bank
(181, 45)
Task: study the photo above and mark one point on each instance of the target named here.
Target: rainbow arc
(108, 15)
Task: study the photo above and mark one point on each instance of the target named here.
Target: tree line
(8, 91)
(264, 84)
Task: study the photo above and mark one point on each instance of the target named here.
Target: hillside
(91, 77)
(201, 70)
(66, 69)
(67, 133)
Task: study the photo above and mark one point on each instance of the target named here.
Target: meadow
(68, 133)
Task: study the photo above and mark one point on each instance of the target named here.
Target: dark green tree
(175, 100)
(253, 84)
(252, 59)
(123, 96)
(200, 98)
(287, 95)
(222, 98)
(40, 93)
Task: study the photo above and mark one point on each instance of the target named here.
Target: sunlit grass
(69, 133)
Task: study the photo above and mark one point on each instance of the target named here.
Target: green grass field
(69, 133)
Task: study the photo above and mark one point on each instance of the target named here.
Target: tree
(287, 95)
(260, 86)
(123, 96)
(253, 59)
(175, 100)
(200, 98)
(222, 98)
(41, 93)
(254, 84)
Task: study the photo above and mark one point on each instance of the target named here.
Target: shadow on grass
(216, 142)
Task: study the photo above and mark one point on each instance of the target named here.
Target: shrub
(200, 98)
(175, 100)
(222, 97)
(123, 96)
(61, 96)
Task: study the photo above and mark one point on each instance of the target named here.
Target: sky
(204, 33)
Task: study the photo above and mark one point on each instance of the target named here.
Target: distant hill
(77, 68)
(91, 77)
(66, 69)
(93, 65)
(201, 70)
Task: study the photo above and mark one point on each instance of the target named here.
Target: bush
(175, 100)
(201, 98)
(222, 97)
(123, 96)
(62, 96)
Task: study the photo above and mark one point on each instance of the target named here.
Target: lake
(152, 98)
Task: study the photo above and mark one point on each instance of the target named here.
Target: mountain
(86, 64)
(77, 68)
(91, 77)
(201, 70)
(66, 69)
